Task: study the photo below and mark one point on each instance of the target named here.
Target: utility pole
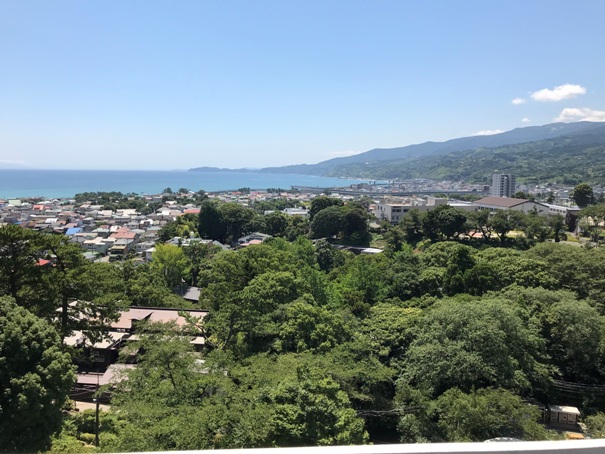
(97, 413)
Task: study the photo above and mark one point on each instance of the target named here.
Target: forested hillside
(556, 152)
(567, 160)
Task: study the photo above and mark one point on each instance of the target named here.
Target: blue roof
(73, 231)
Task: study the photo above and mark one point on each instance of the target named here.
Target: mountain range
(563, 151)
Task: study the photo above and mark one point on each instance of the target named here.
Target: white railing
(592, 446)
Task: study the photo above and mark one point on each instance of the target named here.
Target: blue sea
(67, 183)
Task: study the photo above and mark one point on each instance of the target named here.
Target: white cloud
(525, 120)
(572, 114)
(518, 101)
(488, 132)
(342, 154)
(566, 91)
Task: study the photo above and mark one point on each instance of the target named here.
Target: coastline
(20, 183)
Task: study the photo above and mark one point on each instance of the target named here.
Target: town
(107, 234)
(215, 272)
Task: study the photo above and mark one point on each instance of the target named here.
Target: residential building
(503, 185)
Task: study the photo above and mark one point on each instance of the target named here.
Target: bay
(16, 183)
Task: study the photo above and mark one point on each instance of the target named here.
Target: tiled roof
(504, 202)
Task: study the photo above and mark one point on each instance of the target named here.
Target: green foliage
(596, 425)
(390, 329)
(432, 341)
(210, 221)
(311, 410)
(327, 222)
(308, 327)
(486, 413)
(592, 221)
(320, 203)
(184, 227)
(468, 344)
(276, 224)
(583, 195)
(172, 401)
(444, 222)
(146, 286)
(568, 160)
(35, 377)
(62, 292)
(170, 262)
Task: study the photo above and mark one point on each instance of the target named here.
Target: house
(118, 252)
(97, 244)
(101, 354)
(253, 238)
(560, 414)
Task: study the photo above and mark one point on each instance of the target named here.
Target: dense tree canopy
(457, 324)
(35, 377)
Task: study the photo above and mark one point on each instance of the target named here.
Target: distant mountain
(219, 169)
(568, 159)
(467, 158)
(338, 166)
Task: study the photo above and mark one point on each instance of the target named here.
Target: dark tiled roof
(504, 202)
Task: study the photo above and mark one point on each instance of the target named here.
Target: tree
(596, 425)
(327, 222)
(486, 413)
(35, 378)
(171, 263)
(325, 255)
(444, 221)
(503, 221)
(241, 318)
(468, 344)
(513, 267)
(173, 401)
(210, 221)
(523, 195)
(184, 226)
(550, 197)
(583, 195)
(276, 223)
(146, 286)
(593, 221)
(390, 330)
(198, 254)
(309, 327)
(574, 332)
(479, 221)
(312, 410)
(412, 225)
(236, 221)
(395, 238)
(20, 249)
(557, 225)
(320, 203)
(355, 223)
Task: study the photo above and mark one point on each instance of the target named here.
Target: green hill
(568, 160)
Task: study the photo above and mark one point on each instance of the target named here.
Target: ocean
(67, 183)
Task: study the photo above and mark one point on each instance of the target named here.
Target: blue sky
(253, 83)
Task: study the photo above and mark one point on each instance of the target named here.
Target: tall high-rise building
(503, 185)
